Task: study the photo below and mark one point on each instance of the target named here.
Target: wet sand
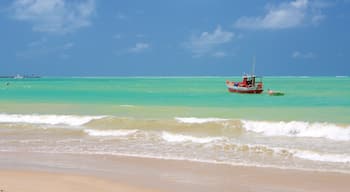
(37, 181)
(66, 172)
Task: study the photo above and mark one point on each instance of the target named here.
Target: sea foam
(106, 133)
(334, 158)
(298, 129)
(198, 120)
(298, 153)
(71, 120)
(179, 138)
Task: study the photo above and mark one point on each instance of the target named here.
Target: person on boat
(269, 91)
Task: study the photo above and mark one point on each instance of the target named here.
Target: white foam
(298, 129)
(302, 154)
(71, 120)
(198, 120)
(178, 138)
(127, 105)
(335, 158)
(106, 133)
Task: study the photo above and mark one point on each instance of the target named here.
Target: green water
(190, 118)
(325, 99)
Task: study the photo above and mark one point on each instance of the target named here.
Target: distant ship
(18, 76)
(249, 84)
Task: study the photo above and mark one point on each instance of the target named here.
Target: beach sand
(37, 181)
(66, 172)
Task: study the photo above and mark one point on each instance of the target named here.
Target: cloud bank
(206, 43)
(54, 16)
(286, 15)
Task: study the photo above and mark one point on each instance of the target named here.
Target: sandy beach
(53, 172)
(35, 181)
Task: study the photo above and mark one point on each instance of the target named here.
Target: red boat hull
(256, 91)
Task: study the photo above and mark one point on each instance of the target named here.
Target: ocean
(181, 118)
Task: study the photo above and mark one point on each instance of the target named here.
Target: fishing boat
(250, 84)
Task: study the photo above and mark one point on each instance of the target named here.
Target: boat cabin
(250, 81)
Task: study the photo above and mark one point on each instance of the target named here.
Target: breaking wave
(106, 133)
(298, 153)
(198, 120)
(298, 129)
(177, 138)
(71, 120)
(313, 156)
(211, 127)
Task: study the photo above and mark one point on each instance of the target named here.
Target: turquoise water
(309, 99)
(192, 118)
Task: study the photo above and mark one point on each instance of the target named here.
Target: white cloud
(300, 55)
(54, 16)
(207, 42)
(285, 15)
(139, 47)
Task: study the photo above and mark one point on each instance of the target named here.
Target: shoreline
(142, 174)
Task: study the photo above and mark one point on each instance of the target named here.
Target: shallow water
(182, 118)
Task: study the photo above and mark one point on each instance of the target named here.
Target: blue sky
(182, 37)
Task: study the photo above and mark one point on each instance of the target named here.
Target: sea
(181, 118)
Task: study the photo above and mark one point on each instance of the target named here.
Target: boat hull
(247, 90)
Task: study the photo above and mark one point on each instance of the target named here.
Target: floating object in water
(275, 93)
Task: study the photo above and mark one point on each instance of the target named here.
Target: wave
(71, 120)
(106, 133)
(288, 152)
(198, 120)
(211, 127)
(301, 154)
(334, 158)
(177, 138)
(298, 129)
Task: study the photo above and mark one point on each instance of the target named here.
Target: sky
(174, 38)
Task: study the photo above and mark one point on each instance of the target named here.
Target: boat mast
(253, 66)
(253, 71)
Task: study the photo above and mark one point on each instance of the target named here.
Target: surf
(71, 120)
(298, 129)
